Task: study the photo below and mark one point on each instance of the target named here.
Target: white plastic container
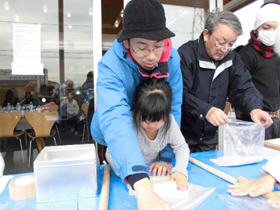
(65, 172)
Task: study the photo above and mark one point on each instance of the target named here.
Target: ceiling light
(17, 19)
(68, 14)
(90, 11)
(119, 19)
(6, 6)
(116, 24)
(69, 26)
(45, 9)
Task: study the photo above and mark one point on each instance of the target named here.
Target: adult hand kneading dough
(226, 176)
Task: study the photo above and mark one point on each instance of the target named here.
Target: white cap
(63, 85)
(267, 13)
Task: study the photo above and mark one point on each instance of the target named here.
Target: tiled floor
(12, 153)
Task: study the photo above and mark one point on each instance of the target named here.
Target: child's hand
(160, 168)
(254, 187)
(181, 180)
(274, 202)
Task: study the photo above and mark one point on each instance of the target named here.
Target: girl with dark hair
(11, 97)
(155, 127)
(26, 99)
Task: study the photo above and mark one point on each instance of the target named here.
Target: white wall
(247, 16)
(179, 20)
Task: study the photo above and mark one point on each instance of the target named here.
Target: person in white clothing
(72, 111)
(263, 185)
(155, 127)
(271, 169)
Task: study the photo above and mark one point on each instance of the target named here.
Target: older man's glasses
(145, 52)
(223, 47)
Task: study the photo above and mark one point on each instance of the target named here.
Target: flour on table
(176, 198)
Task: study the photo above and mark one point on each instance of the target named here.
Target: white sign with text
(27, 49)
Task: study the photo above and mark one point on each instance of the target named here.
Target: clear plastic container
(9, 107)
(231, 114)
(31, 106)
(18, 107)
(65, 172)
(22, 112)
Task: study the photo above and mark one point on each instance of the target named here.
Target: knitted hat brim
(159, 34)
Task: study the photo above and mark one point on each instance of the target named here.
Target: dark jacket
(87, 91)
(265, 74)
(207, 86)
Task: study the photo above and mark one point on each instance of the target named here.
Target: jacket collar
(120, 51)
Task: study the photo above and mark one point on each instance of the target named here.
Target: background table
(119, 198)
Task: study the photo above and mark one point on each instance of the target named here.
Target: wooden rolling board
(104, 197)
(273, 144)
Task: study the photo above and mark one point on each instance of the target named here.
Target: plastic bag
(243, 143)
(245, 203)
(176, 198)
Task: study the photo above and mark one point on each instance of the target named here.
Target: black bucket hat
(144, 19)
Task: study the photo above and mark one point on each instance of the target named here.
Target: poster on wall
(7, 78)
(27, 49)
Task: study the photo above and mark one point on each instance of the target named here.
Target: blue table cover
(119, 198)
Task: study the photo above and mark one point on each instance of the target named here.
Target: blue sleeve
(176, 83)
(115, 122)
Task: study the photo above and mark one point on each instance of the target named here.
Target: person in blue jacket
(213, 71)
(142, 50)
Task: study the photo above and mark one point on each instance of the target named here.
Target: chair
(227, 107)
(85, 110)
(8, 122)
(42, 124)
(55, 108)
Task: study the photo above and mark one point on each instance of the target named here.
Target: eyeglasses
(145, 52)
(221, 46)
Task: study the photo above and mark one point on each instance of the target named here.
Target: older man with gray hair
(212, 72)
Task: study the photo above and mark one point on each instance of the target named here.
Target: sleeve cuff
(185, 172)
(165, 160)
(135, 177)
